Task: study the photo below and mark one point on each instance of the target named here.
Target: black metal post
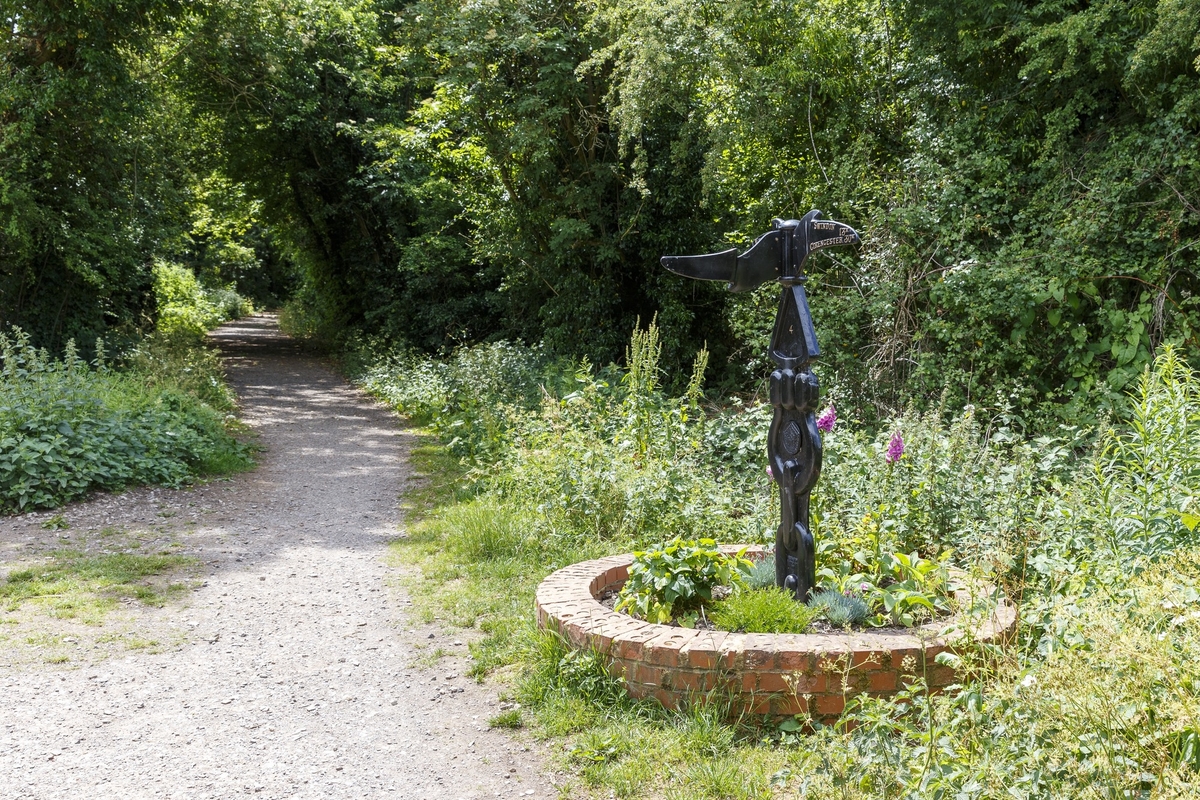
(794, 443)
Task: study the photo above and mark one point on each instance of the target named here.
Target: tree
(88, 190)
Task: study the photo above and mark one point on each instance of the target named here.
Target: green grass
(439, 478)
(479, 564)
(478, 567)
(507, 719)
(77, 585)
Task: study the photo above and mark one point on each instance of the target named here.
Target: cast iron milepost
(794, 443)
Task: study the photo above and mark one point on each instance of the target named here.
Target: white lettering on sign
(824, 226)
(832, 240)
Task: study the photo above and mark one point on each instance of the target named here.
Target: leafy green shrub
(676, 576)
(471, 401)
(840, 609)
(613, 458)
(66, 429)
(173, 363)
(186, 307)
(771, 610)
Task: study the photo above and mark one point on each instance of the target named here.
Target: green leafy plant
(899, 588)
(185, 307)
(769, 610)
(58, 522)
(677, 575)
(918, 587)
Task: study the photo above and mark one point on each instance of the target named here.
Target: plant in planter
(841, 610)
(678, 577)
(769, 610)
(686, 582)
(902, 589)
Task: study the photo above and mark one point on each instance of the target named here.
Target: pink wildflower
(826, 420)
(895, 449)
(770, 474)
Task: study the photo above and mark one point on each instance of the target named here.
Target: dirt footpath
(291, 671)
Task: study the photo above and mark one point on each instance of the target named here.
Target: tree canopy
(1025, 173)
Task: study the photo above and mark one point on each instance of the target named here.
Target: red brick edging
(761, 673)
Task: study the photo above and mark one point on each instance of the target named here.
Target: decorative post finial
(794, 443)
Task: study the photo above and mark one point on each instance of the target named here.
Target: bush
(471, 401)
(66, 428)
(185, 307)
(677, 576)
(769, 610)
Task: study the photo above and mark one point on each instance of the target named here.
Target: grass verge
(1095, 537)
(77, 585)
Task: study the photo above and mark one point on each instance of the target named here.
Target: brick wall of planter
(761, 673)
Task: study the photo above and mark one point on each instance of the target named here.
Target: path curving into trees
(292, 671)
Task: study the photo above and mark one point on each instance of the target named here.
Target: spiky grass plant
(839, 609)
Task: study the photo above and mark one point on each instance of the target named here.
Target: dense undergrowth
(1093, 532)
(157, 413)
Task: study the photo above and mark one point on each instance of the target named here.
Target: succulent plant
(839, 609)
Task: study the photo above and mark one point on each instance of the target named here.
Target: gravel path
(291, 670)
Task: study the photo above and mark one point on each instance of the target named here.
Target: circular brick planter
(809, 673)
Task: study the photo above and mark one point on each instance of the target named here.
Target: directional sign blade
(827, 232)
(711, 267)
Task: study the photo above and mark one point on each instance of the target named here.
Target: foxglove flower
(826, 420)
(895, 449)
